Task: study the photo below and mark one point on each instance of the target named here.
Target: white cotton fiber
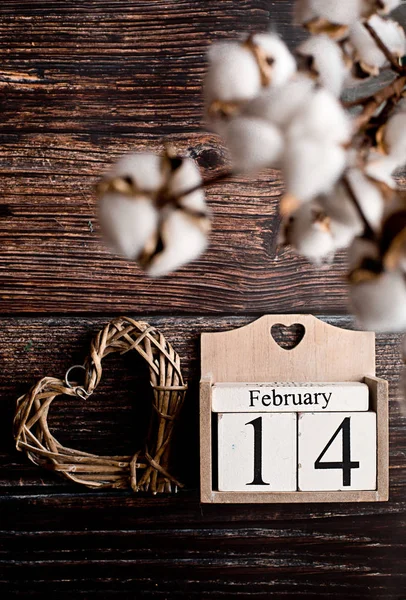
(380, 303)
(309, 236)
(369, 196)
(233, 73)
(322, 118)
(395, 137)
(144, 169)
(127, 223)
(366, 50)
(185, 178)
(312, 167)
(340, 12)
(282, 64)
(253, 144)
(280, 105)
(183, 242)
(328, 62)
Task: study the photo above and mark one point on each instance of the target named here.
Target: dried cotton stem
(368, 231)
(393, 90)
(398, 68)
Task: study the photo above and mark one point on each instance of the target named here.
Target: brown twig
(208, 182)
(371, 105)
(357, 102)
(385, 50)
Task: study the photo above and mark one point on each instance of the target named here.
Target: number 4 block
(337, 451)
(257, 452)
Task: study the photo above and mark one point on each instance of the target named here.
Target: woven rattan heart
(287, 337)
(147, 469)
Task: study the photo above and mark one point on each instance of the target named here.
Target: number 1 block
(257, 453)
(337, 451)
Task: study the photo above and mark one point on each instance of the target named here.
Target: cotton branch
(276, 110)
(371, 105)
(208, 182)
(385, 51)
(368, 231)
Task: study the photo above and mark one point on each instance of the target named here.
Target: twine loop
(147, 470)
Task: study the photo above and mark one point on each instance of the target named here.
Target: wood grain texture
(82, 83)
(79, 543)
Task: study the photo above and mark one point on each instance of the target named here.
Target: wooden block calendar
(307, 424)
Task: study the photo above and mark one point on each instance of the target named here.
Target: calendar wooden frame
(325, 354)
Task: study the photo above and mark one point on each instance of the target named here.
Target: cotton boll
(332, 17)
(145, 170)
(161, 227)
(362, 251)
(367, 52)
(378, 297)
(279, 60)
(380, 167)
(391, 33)
(183, 241)
(253, 144)
(280, 105)
(238, 71)
(393, 238)
(384, 7)
(308, 231)
(127, 214)
(184, 178)
(326, 62)
(379, 303)
(369, 196)
(323, 118)
(233, 74)
(381, 7)
(311, 168)
(342, 12)
(127, 223)
(394, 138)
(344, 232)
(345, 222)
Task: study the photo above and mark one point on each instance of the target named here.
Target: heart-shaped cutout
(288, 337)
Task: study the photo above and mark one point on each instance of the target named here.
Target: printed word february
(320, 399)
(290, 397)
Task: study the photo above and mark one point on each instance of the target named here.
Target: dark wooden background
(82, 82)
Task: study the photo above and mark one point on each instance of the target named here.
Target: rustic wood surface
(82, 82)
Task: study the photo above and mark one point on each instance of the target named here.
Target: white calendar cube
(337, 451)
(257, 452)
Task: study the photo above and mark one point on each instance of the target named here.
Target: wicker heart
(147, 470)
(288, 337)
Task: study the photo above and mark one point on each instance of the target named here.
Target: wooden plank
(221, 552)
(114, 418)
(81, 84)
